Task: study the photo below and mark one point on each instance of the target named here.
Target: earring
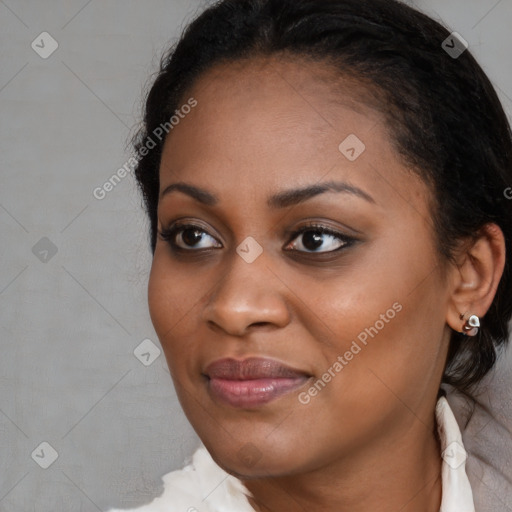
(471, 324)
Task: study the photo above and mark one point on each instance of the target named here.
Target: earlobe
(476, 280)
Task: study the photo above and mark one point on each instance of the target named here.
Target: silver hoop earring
(471, 324)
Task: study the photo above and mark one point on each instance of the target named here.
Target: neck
(400, 472)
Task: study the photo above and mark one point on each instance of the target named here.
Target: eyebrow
(298, 195)
(197, 193)
(280, 200)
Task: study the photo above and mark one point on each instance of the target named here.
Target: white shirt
(202, 486)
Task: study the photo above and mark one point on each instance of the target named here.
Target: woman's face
(291, 347)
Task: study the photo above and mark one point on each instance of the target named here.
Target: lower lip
(253, 393)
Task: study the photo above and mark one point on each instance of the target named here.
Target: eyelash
(169, 234)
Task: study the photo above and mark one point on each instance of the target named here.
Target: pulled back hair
(442, 113)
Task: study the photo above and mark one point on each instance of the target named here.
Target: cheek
(173, 301)
(163, 296)
(386, 322)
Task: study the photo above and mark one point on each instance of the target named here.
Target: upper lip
(250, 369)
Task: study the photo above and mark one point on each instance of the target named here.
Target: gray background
(70, 320)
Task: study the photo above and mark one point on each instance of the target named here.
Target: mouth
(251, 382)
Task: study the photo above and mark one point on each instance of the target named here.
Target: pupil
(312, 240)
(191, 236)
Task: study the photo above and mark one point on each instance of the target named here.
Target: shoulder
(201, 486)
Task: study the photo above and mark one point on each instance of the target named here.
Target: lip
(252, 382)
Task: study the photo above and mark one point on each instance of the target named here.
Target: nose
(248, 296)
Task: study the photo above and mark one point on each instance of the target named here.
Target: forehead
(284, 88)
(264, 124)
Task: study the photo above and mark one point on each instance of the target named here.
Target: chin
(250, 462)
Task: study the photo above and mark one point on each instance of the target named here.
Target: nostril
(260, 324)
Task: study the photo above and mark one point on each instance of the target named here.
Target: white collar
(457, 495)
(202, 486)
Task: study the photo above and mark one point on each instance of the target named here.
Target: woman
(329, 227)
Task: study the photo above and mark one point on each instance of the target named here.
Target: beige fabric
(485, 419)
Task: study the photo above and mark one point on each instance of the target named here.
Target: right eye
(189, 237)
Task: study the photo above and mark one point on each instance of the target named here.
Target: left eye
(318, 240)
(189, 237)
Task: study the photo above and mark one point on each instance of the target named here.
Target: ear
(476, 276)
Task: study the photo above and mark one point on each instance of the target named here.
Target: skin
(367, 440)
